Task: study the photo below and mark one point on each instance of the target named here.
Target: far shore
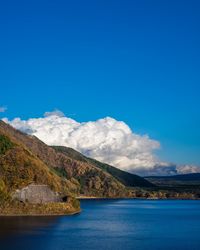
(132, 198)
(101, 198)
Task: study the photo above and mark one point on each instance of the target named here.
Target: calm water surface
(109, 224)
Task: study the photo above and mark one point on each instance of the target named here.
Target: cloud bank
(106, 140)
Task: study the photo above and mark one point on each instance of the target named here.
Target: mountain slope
(88, 179)
(19, 168)
(130, 180)
(24, 159)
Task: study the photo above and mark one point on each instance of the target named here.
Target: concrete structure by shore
(37, 194)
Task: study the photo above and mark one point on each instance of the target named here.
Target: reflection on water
(108, 224)
(12, 225)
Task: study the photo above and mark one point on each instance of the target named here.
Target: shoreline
(40, 215)
(91, 198)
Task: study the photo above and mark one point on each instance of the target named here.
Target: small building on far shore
(37, 194)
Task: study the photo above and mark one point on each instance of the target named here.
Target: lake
(109, 224)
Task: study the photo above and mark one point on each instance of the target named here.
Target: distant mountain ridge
(186, 177)
(181, 180)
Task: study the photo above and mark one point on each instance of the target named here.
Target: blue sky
(136, 61)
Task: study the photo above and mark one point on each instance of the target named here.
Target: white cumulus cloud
(106, 140)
